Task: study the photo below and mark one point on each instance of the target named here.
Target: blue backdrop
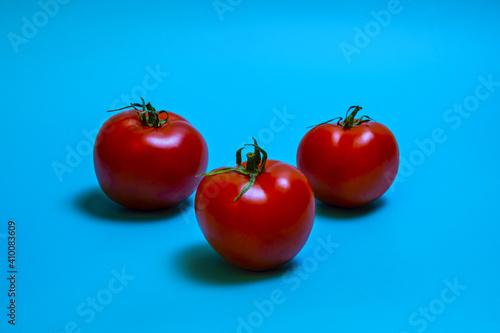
(423, 258)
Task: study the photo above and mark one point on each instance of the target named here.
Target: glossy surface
(352, 167)
(267, 226)
(272, 68)
(142, 167)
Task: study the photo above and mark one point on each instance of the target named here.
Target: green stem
(350, 119)
(253, 161)
(148, 114)
(256, 164)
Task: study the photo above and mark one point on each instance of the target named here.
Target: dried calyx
(350, 120)
(148, 114)
(254, 167)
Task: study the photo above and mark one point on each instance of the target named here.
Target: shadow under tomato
(336, 212)
(94, 202)
(201, 263)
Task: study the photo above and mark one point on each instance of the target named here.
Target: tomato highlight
(257, 215)
(349, 163)
(146, 159)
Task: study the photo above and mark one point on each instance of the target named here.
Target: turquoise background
(423, 258)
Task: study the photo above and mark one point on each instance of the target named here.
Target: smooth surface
(268, 70)
(147, 168)
(349, 167)
(264, 228)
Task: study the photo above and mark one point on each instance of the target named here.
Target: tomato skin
(147, 168)
(267, 226)
(349, 167)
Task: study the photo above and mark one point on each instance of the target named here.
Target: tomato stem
(148, 114)
(256, 164)
(350, 120)
(252, 162)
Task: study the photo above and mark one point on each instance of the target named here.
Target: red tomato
(145, 161)
(259, 224)
(349, 163)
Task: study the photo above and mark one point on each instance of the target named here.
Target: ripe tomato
(267, 223)
(146, 159)
(349, 163)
